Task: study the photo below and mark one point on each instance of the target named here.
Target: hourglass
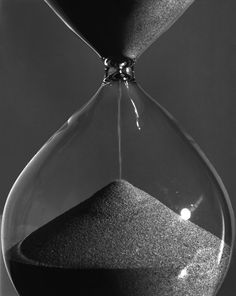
(120, 201)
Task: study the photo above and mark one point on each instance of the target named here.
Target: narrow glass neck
(115, 71)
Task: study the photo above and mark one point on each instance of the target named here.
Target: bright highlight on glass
(185, 214)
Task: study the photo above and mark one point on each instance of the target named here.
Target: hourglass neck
(119, 71)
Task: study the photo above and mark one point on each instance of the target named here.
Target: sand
(123, 228)
(118, 29)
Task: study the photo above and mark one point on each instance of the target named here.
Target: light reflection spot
(183, 273)
(185, 214)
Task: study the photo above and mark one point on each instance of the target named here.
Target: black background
(46, 73)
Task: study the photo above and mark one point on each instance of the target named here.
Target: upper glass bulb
(119, 201)
(118, 29)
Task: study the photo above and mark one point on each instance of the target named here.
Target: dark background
(46, 73)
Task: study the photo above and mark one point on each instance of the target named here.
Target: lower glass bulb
(119, 201)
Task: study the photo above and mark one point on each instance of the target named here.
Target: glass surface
(6, 287)
(120, 200)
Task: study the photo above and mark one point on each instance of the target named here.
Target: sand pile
(123, 228)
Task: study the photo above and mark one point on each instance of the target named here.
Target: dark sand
(127, 239)
(118, 29)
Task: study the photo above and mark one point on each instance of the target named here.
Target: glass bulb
(119, 201)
